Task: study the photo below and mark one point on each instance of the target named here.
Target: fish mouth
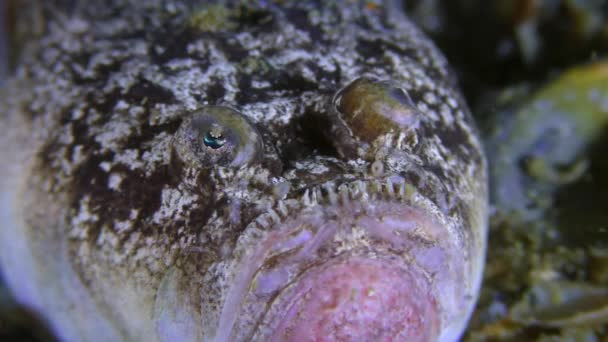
(355, 299)
(352, 268)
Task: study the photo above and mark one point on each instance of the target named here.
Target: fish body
(232, 172)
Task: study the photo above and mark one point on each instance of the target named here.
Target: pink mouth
(371, 271)
(359, 300)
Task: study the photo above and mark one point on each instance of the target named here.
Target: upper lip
(344, 207)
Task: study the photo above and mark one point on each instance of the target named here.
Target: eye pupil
(214, 140)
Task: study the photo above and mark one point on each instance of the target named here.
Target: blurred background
(3, 46)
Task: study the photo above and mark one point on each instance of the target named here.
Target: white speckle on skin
(107, 237)
(182, 64)
(279, 109)
(290, 56)
(432, 114)
(452, 102)
(327, 62)
(162, 113)
(260, 84)
(114, 181)
(121, 105)
(110, 135)
(423, 107)
(77, 113)
(78, 155)
(191, 79)
(159, 153)
(314, 168)
(122, 226)
(433, 153)
(430, 98)
(136, 111)
(81, 219)
(127, 78)
(106, 166)
(130, 158)
(446, 114)
(172, 202)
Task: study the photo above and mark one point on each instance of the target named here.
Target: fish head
(277, 181)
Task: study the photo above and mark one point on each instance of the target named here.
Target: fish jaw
(359, 298)
(378, 264)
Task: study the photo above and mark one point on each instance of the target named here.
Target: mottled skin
(111, 236)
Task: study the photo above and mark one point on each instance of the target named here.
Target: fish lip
(390, 191)
(299, 294)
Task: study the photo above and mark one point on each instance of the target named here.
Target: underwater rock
(562, 303)
(540, 145)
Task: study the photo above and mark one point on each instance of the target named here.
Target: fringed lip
(355, 298)
(372, 243)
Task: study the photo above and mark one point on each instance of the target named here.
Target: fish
(239, 171)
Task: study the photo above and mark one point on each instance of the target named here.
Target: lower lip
(383, 253)
(358, 299)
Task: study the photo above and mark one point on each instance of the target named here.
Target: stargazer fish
(238, 171)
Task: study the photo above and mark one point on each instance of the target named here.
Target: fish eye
(371, 108)
(217, 135)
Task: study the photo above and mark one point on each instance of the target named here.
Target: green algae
(547, 267)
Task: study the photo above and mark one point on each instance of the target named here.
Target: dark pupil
(213, 141)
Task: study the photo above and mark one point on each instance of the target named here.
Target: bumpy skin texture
(110, 235)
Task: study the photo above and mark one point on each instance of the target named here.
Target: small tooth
(389, 188)
(400, 140)
(389, 140)
(317, 195)
(401, 191)
(352, 191)
(344, 194)
(362, 187)
(364, 192)
(414, 140)
(292, 205)
(274, 216)
(333, 199)
(253, 226)
(306, 198)
(376, 187)
(355, 190)
(282, 208)
(263, 222)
